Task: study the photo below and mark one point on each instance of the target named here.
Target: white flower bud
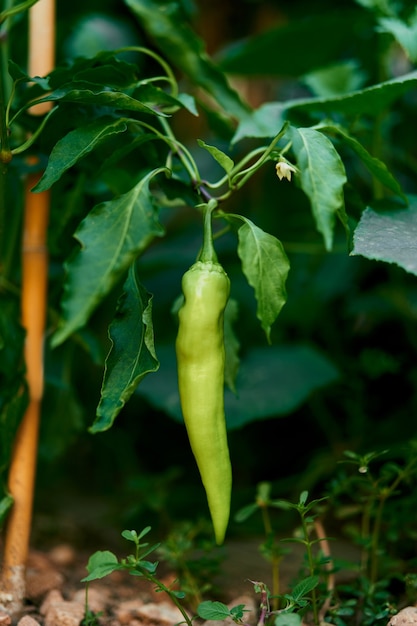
(284, 170)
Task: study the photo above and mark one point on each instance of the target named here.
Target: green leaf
(322, 177)
(6, 504)
(288, 619)
(245, 512)
(381, 6)
(167, 26)
(157, 98)
(389, 235)
(272, 381)
(335, 79)
(223, 159)
(304, 587)
(210, 610)
(231, 345)
(114, 99)
(130, 535)
(13, 389)
(370, 101)
(132, 354)
(101, 564)
(376, 167)
(237, 612)
(75, 145)
(266, 268)
(405, 34)
(112, 236)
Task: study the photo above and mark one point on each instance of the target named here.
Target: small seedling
(104, 562)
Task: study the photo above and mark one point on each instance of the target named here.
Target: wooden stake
(33, 305)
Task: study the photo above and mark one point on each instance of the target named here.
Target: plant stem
(241, 177)
(183, 154)
(310, 560)
(170, 77)
(208, 253)
(173, 597)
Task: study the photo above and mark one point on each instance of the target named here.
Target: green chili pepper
(201, 360)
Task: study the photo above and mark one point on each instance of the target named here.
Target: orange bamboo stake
(34, 293)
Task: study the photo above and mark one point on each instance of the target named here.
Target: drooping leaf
(376, 167)
(223, 159)
(272, 381)
(264, 121)
(112, 236)
(389, 235)
(266, 268)
(167, 26)
(75, 145)
(322, 177)
(132, 354)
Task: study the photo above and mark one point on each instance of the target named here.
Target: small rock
(96, 598)
(39, 583)
(41, 576)
(51, 598)
(160, 613)
(64, 613)
(62, 555)
(27, 620)
(406, 617)
(127, 610)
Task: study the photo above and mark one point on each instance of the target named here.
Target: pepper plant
(110, 152)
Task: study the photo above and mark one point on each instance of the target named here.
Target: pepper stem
(208, 253)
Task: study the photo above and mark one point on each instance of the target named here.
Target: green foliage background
(341, 371)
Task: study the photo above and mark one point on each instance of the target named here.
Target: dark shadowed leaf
(272, 381)
(278, 52)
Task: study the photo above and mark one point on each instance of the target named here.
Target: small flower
(284, 170)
